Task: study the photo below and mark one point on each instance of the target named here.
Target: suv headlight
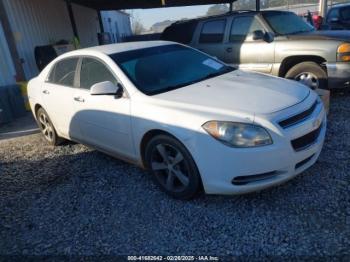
(343, 53)
(238, 134)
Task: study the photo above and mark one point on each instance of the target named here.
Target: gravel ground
(72, 200)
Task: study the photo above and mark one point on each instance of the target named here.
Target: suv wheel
(172, 167)
(310, 74)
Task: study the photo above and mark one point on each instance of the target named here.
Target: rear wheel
(47, 128)
(310, 74)
(172, 167)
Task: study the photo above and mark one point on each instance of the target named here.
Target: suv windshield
(159, 69)
(286, 23)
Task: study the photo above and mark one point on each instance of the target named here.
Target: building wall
(43, 22)
(7, 70)
(117, 24)
(87, 24)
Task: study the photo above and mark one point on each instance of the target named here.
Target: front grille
(303, 162)
(243, 180)
(307, 140)
(298, 118)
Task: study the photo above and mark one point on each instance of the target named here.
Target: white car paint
(117, 126)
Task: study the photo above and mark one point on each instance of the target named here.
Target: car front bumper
(338, 74)
(227, 170)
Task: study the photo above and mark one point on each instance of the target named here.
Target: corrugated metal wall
(7, 70)
(116, 23)
(42, 22)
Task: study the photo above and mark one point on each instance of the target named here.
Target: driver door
(104, 120)
(247, 53)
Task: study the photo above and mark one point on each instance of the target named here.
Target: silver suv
(273, 42)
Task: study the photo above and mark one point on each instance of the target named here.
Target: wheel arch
(147, 137)
(36, 108)
(291, 61)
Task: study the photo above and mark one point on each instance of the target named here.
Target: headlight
(238, 134)
(343, 53)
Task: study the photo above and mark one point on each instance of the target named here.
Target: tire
(172, 167)
(309, 73)
(47, 128)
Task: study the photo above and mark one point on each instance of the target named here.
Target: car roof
(339, 6)
(121, 47)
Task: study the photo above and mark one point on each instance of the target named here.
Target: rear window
(213, 31)
(63, 72)
(181, 33)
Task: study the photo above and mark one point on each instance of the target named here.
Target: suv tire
(310, 74)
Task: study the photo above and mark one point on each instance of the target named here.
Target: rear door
(58, 96)
(210, 37)
(245, 52)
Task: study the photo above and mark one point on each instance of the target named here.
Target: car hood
(341, 35)
(240, 91)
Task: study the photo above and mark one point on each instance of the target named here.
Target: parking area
(72, 200)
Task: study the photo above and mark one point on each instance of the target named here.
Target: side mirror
(269, 37)
(258, 35)
(104, 88)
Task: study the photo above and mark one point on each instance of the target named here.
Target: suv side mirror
(104, 88)
(258, 35)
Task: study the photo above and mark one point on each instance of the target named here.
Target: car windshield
(287, 23)
(160, 69)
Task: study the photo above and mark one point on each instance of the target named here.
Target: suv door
(210, 37)
(104, 120)
(58, 96)
(242, 50)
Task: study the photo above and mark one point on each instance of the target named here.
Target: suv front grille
(298, 118)
(306, 140)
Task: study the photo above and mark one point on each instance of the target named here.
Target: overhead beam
(144, 4)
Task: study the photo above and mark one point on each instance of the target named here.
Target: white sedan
(193, 121)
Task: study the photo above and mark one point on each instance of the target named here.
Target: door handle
(46, 92)
(79, 99)
(229, 49)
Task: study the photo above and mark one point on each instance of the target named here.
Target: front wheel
(310, 74)
(172, 167)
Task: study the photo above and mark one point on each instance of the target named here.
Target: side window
(63, 72)
(333, 13)
(244, 26)
(181, 32)
(345, 13)
(93, 71)
(213, 31)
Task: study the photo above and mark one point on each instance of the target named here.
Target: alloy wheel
(308, 79)
(46, 127)
(170, 167)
